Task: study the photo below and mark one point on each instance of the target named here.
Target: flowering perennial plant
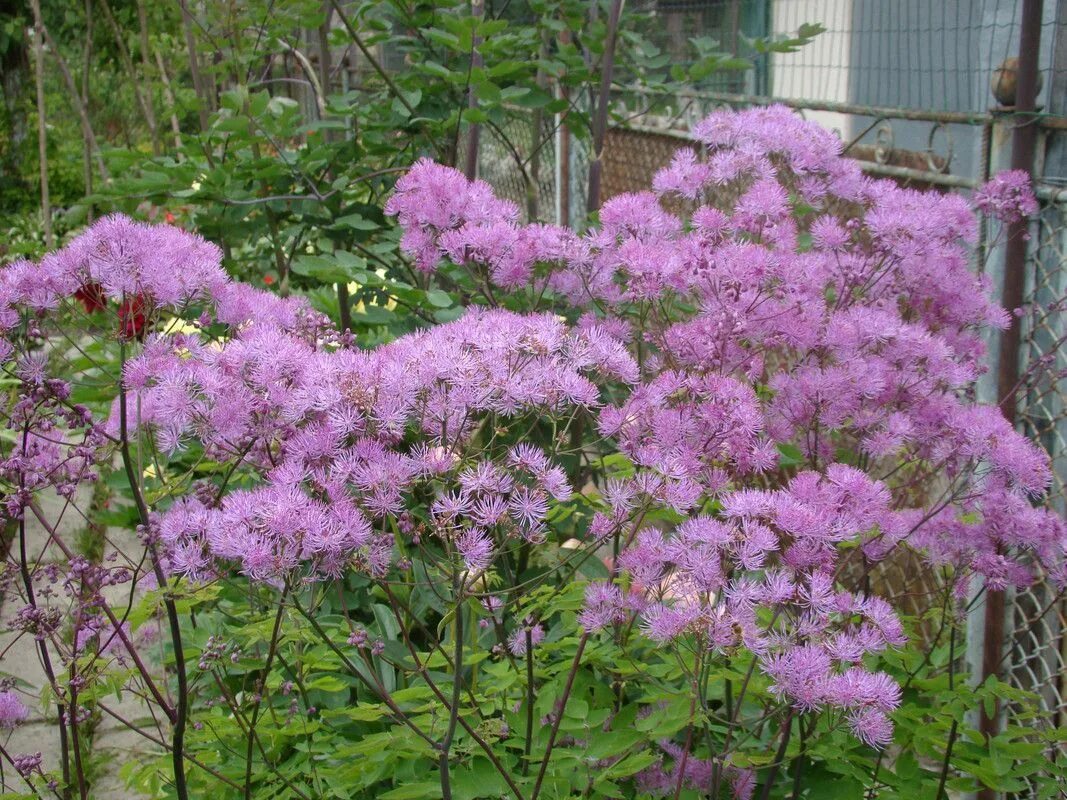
(726, 405)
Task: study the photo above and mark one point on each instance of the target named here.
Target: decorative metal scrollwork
(939, 163)
(883, 143)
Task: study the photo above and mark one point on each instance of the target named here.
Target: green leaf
(424, 790)
(607, 745)
(366, 713)
(354, 264)
(534, 98)
(504, 68)
(666, 718)
(439, 70)
(789, 455)
(474, 116)
(357, 222)
(439, 298)
(631, 764)
(593, 568)
(448, 314)
(323, 268)
(328, 683)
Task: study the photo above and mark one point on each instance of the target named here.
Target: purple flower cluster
(138, 270)
(26, 764)
(761, 576)
(12, 711)
(742, 355)
(798, 304)
(856, 324)
(1007, 197)
(56, 442)
(329, 429)
(697, 774)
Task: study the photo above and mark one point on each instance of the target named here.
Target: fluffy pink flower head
(12, 710)
(1007, 196)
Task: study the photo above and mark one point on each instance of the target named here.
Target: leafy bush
(616, 531)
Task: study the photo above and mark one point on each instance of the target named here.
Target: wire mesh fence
(1044, 411)
(1036, 650)
(518, 159)
(904, 54)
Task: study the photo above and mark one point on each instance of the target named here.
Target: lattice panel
(631, 158)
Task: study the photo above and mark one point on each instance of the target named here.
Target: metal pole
(1024, 138)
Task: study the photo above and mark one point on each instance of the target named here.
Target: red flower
(92, 297)
(132, 317)
(169, 217)
(268, 279)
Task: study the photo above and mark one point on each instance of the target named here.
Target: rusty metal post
(1024, 138)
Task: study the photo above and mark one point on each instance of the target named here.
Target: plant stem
(130, 725)
(471, 731)
(383, 695)
(375, 65)
(75, 739)
(194, 65)
(11, 761)
(799, 766)
(46, 660)
(474, 133)
(529, 703)
(172, 105)
(116, 623)
(259, 693)
(457, 685)
(182, 710)
(83, 101)
(31, 599)
(91, 145)
(144, 98)
(779, 757)
(600, 122)
(954, 730)
(685, 752)
(560, 708)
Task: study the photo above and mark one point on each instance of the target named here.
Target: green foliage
(323, 731)
(291, 183)
(285, 160)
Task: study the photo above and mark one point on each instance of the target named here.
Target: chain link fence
(1037, 646)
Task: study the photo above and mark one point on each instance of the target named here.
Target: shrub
(616, 531)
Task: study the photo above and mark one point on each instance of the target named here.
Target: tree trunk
(88, 145)
(42, 124)
(75, 98)
(168, 96)
(194, 64)
(127, 62)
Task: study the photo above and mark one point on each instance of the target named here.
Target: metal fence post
(1024, 137)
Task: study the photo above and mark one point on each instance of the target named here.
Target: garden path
(112, 745)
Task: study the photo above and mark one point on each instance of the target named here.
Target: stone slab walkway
(112, 744)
